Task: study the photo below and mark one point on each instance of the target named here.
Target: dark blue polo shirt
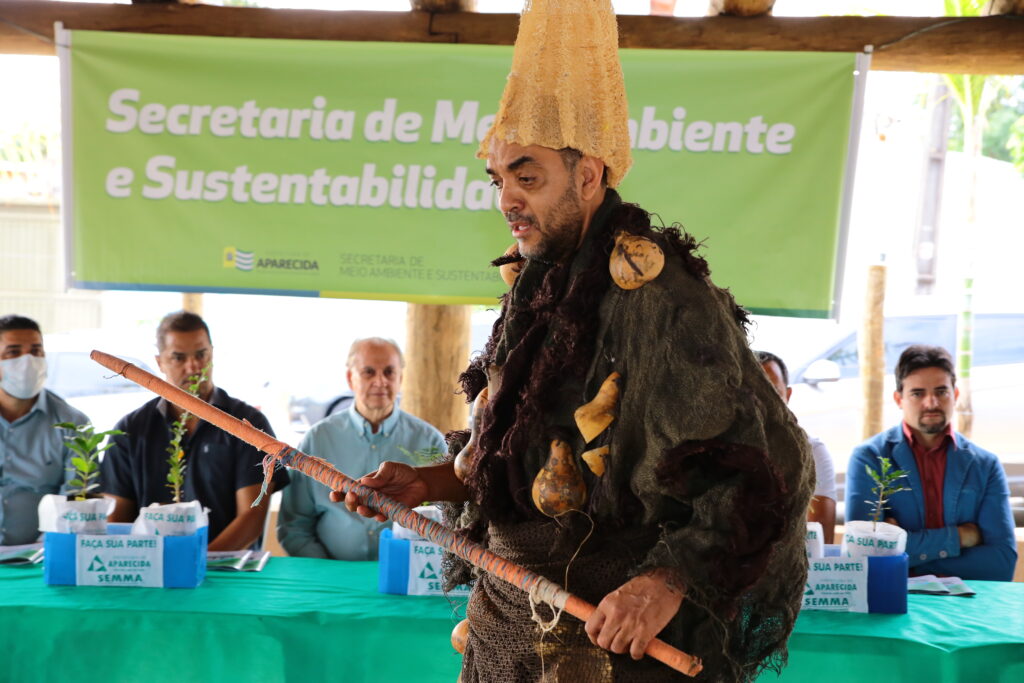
(217, 464)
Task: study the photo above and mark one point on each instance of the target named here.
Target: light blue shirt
(33, 462)
(309, 524)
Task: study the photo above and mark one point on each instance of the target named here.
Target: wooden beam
(930, 44)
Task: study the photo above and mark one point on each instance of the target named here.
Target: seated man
(823, 504)
(33, 458)
(957, 511)
(357, 440)
(223, 473)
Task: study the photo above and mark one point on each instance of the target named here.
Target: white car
(103, 396)
(828, 400)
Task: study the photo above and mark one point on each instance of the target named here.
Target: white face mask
(24, 376)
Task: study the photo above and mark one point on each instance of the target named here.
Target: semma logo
(247, 261)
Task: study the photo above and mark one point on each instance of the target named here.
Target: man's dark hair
(920, 356)
(769, 357)
(571, 157)
(18, 322)
(180, 321)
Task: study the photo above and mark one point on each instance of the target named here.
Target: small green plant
(175, 451)
(424, 456)
(84, 441)
(885, 487)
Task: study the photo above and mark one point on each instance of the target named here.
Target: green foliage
(963, 8)
(1015, 144)
(26, 146)
(969, 90)
(85, 442)
(1003, 134)
(885, 487)
(175, 451)
(424, 456)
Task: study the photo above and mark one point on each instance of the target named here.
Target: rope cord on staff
(325, 473)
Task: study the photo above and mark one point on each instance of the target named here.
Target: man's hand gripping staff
(379, 505)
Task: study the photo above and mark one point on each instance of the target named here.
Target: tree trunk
(871, 351)
(437, 351)
(973, 130)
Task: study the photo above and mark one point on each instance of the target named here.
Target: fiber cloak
(708, 474)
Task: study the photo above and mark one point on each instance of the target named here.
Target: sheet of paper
(837, 584)
(119, 560)
(226, 560)
(256, 561)
(30, 553)
(929, 583)
(956, 586)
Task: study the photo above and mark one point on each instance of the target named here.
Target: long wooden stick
(325, 473)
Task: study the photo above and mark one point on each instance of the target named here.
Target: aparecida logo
(236, 258)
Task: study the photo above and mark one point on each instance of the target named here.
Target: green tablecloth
(941, 639)
(303, 620)
(299, 620)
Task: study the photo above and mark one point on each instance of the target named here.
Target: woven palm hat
(566, 87)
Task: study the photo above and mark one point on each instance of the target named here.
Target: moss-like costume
(707, 475)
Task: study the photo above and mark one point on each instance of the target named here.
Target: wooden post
(436, 352)
(192, 302)
(871, 350)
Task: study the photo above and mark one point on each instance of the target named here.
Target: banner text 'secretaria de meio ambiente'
(333, 154)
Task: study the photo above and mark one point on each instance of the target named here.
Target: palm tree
(973, 94)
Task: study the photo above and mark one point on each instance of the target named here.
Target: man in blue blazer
(957, 512)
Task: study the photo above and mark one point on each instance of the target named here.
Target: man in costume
(628, 445)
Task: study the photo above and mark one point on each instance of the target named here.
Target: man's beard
(560, 236)
(933, 427)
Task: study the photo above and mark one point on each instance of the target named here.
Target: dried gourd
(460, 634)
(594, 417)
(464, 460)
(635, 261)
(559, 486)
(596, 459)
(510, 271)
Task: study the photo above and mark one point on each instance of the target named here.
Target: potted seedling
(177, 518)
(165, 547)
(83, 511)
(875, 537)
(881, 544)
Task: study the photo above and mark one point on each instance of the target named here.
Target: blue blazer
(975, 490)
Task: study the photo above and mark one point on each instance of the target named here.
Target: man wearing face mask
(33, 457)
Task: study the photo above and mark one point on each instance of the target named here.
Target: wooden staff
(325, 473)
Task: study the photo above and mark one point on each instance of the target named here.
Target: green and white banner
(348, 169)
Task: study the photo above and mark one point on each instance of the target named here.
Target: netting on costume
(507, 645)
(566, 87)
